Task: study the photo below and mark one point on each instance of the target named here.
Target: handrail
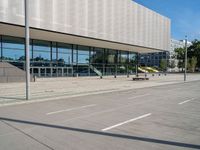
(96, 70)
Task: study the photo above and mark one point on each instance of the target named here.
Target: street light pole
(26, 8)
(185, 73)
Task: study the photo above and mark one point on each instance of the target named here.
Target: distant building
(153, 59)
(179, 44)
(174, 45)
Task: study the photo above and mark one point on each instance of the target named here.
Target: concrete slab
(57, 88)
(170, 126)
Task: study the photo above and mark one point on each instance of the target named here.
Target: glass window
(132, 57)
(64, 53)
(75, 53)
(97, 56)
(111, 56)
(123, 57)
(41, 50)
(83, 54)
(13, 49)
(54, 52)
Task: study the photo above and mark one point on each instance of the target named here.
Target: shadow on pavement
(12, 98)
(129, 137)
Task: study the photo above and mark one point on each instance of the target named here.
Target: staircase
(142, 70)
(11, 73)
(96, 70)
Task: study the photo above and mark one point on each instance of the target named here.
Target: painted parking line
(70, 109)
(186, 101)
(138, 96)
(125, 122)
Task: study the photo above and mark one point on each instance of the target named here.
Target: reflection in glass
(111, 56)
(13, 49)
(123, 57)
(97, 56)
(41, 51)
(132, 58)
(52, 57)
(83, 54)
(64, 54)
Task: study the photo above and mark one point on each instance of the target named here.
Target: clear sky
(184, 15)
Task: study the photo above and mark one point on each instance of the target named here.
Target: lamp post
(185, 73)
(26, 8)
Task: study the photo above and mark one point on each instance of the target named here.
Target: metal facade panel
(121, 21)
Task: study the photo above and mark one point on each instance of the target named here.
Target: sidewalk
(57, 88)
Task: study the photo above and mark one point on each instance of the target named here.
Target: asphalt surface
(157, 118)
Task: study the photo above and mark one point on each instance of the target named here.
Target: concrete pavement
(57, 88)
(155, 118)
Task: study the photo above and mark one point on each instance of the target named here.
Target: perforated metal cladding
(121, 21)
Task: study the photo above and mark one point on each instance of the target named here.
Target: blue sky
(184, 15)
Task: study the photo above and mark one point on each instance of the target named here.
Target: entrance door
(54, 72)
(60, 72)
(35, 72)
(48, 72)
(42, 72)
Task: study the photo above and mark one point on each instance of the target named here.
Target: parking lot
(154, 118)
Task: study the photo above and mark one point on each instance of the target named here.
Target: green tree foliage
(193, 56)
(180, 53)
(192, 63)
(194, 51)
(163, 64)
(22, 58)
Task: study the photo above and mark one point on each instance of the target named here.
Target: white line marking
(138, 96)
(185, 101)
(125, 122)
(70, 109)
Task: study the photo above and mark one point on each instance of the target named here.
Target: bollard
(34, 78)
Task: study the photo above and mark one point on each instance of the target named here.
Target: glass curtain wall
(13, 50)
(97, 60)
(41, 53)
(122, 67)
(83, 60)
(52, 59)
(132, 63)
(111, 62)
(64, 54)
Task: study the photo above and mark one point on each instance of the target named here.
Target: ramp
(11, 73)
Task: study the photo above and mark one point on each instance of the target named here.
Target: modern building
(81, 37)
(153, 59)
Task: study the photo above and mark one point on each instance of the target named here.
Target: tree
(194, 51)
(189, 65)
(192, 64)
(163, 64)
(172, 64)
(193, 56)
(22, 58)
(180, 53)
